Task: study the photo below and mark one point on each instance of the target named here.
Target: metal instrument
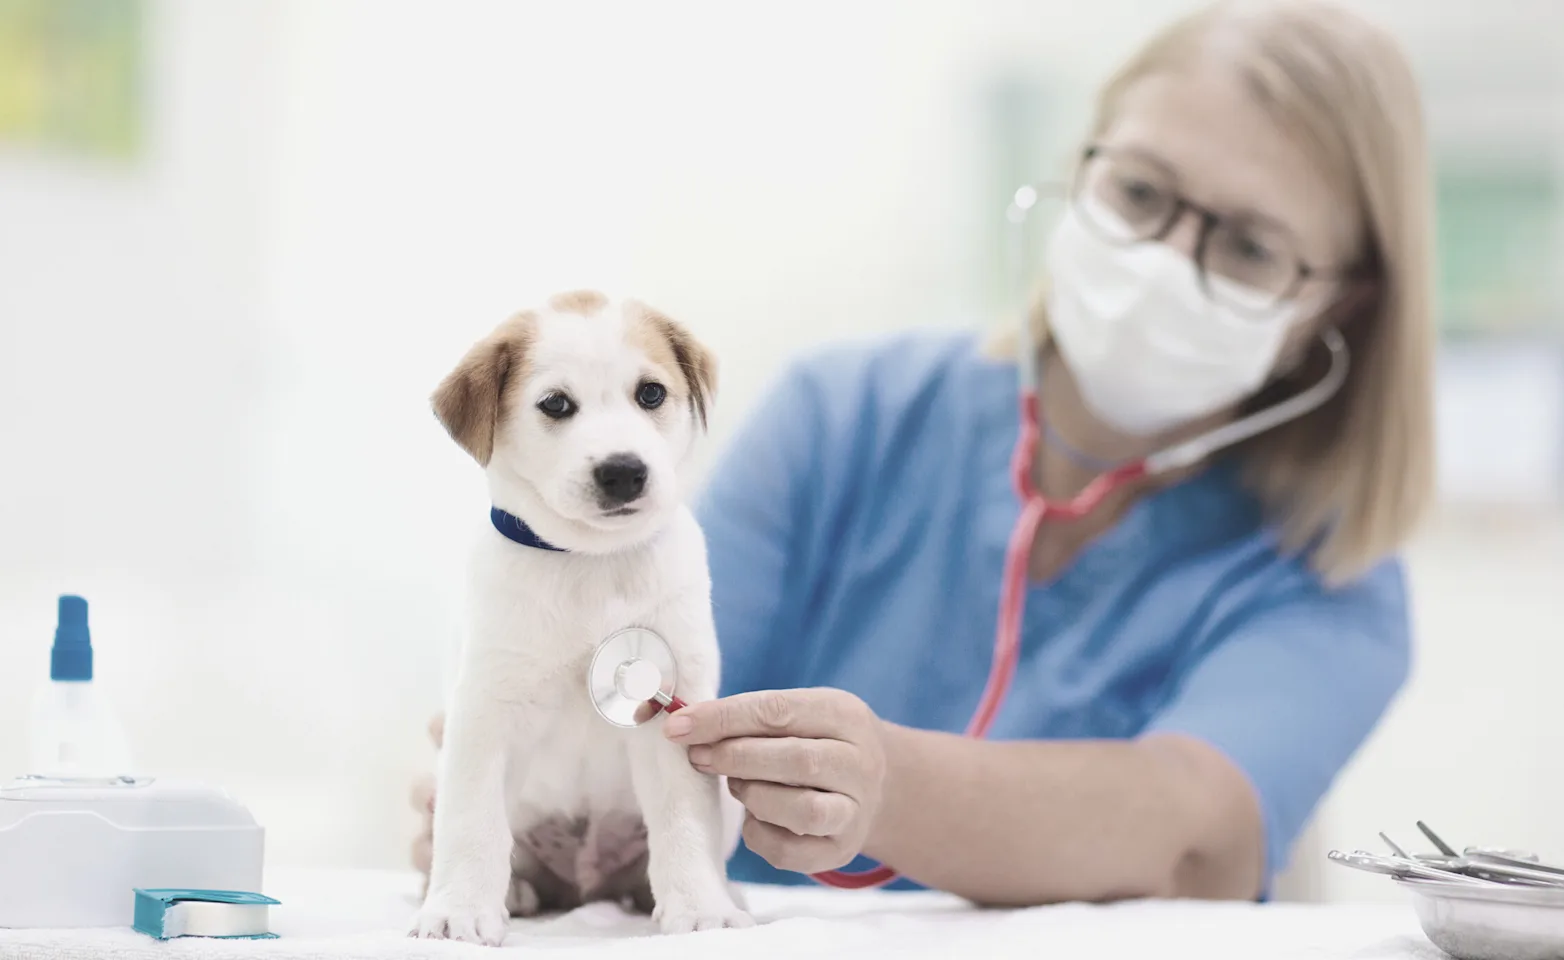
(1484, 903)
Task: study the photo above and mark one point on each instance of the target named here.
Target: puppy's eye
(557, 405)
(651, 394)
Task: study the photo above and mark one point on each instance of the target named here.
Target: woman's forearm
(1030, 822)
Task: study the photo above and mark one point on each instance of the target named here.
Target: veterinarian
(1204, 651)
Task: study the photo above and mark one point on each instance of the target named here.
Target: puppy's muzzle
(620, 479)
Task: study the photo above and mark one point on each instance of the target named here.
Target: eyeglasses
(1247, 263)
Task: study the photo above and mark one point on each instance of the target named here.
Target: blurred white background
(215, 351)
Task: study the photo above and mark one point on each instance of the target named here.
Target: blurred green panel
(1499, 249)
(71, 74)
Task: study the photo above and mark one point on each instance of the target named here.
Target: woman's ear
(1356, 299)
(469, 402)
(697, 364)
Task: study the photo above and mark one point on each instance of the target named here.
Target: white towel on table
(363, 915)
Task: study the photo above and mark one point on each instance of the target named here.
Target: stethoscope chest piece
(631, 676)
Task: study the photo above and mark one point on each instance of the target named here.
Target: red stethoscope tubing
(1012, 593)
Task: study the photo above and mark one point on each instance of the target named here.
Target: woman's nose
(1183, 234)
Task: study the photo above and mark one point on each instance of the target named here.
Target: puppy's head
(582, 412)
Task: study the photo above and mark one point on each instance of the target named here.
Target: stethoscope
(632, 677)
(632, 674)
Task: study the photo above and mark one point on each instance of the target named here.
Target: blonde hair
(1348, 482)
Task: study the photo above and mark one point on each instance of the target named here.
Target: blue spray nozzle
(71, 658)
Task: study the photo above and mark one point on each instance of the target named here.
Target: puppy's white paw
(716, 915)
(437, 921)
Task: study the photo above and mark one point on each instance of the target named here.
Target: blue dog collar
(514, 529)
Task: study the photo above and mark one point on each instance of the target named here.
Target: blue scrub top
(857, 527)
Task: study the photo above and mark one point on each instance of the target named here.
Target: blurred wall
(214, 362)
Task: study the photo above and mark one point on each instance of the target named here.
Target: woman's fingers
(769, 713)
(800, 810)
(823, 764)
(422, 795)
(423, 853)
(786, 850)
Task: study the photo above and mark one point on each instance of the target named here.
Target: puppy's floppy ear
(469, 402)
(697, 364)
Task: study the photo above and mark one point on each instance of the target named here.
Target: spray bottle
(75, 732)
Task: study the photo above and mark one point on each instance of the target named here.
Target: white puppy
(582, 414)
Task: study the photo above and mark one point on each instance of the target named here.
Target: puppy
(582, 415)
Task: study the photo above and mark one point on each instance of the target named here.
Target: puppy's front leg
(683, 836)
(470, 873)
(685, 833)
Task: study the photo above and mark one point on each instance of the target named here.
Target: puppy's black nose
(620, 478)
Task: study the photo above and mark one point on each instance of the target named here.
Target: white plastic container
(80, 834)
(73, 851)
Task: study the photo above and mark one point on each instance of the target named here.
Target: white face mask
(1149, 349)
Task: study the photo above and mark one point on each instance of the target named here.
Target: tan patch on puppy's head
(584, 302)
(470, 401)
(670, 345)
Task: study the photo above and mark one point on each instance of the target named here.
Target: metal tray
(1499, 922)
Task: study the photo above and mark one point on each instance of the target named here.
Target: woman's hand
(423, 801)
(808, 765)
